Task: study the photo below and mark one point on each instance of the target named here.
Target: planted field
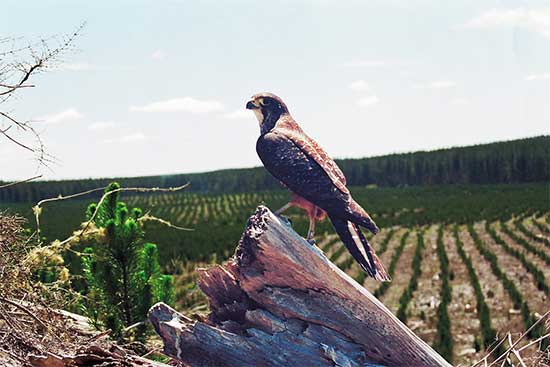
(468, 263)
(218, 220)
(500, 289)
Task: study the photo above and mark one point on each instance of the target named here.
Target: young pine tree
(122, 274)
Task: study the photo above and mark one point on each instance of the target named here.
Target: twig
(24, 309)
(100, 335)
(16, 74)
(20, 182)
(534, 342)
(72, 196)
(22, 125)
(37, 209)
(3, 132)
(154, 350)
(128, 328)
(14, 356)
(5, 315)
(149, 217)
(509, 350)
(25, 77)
(15, 87)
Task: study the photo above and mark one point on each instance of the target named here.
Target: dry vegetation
(33, 328)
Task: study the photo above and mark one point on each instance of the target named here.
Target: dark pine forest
(516, 161)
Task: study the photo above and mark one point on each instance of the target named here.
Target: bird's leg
(283, 208)
(311, 230)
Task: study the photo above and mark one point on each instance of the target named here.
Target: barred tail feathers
(360, 249)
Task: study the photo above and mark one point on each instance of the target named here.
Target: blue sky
(159, 87)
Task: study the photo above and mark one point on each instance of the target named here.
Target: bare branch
(37, 209)
(20, 182)
(23, 64)
(24, 309)
(512, 349)
(3, 132)
(152, 218)
(25, 77)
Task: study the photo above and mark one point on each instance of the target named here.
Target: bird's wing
(314, 150)
(299, 171)
(293, 161)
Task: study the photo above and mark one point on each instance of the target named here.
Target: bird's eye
(266, 102)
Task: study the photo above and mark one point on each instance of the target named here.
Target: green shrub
(122, 275)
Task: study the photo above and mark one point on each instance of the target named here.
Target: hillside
(515, 161)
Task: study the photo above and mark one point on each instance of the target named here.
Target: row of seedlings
(540, 279)
(525, 244)
(507, 283)
(443, 343)
(521, 227)
(379, 292)
(406, 297)
(488, 334)
(541, 227)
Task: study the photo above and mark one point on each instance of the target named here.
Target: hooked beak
(250, 105)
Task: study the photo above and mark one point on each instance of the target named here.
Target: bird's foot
(312, 241)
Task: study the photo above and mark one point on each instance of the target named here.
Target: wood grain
(280, 302)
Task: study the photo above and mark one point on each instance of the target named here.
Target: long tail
(361, 217)
(360, 249)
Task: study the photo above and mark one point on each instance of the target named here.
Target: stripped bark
(280, 302)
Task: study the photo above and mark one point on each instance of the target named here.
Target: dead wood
(280, 302)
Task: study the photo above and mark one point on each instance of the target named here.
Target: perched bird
(317, 184)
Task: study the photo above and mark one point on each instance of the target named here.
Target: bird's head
(268, 108)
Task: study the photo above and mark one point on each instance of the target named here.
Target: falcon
(317, 184)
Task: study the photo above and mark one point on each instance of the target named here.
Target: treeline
(516, 161)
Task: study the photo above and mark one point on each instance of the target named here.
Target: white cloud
(158, 55)
(359, 86)
(70, 114)
(533, 77)
(185, 104)
(240, 114)
(368, 101)
(535, 20)
(130, 138)
(101, 125)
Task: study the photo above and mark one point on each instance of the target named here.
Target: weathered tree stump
(280, 302)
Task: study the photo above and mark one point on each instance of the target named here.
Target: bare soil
(422, 318)
(401, 276)
(372, 284)
(503, 316)
(536, 299)
(465, 324)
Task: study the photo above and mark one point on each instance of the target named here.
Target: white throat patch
(259, 115)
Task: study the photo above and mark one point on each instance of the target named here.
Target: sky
(159, 86)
